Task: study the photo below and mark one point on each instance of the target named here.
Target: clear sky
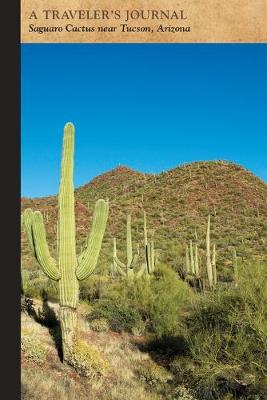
(148, 106)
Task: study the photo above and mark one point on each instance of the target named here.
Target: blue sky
(148, 106)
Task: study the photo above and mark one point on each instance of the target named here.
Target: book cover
(143, 200)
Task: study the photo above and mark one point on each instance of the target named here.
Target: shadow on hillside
(47, 317)
(163, 350)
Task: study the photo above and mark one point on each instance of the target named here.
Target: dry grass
(55, 381)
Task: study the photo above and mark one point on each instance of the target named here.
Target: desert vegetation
(175, 303)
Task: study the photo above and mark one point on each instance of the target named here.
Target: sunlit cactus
(149, 251)
(187, 261)
(68, 269)
(126, 268)
(192, 261)
(209, 264)
(214, 268)
(196, 262)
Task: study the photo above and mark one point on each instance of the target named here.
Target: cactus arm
(90, 255)
(209, 265)
(47, 263)
(120, 270)
(120, 264)
(27, 220)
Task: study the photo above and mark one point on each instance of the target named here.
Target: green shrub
(153, 373)
(120, 316)
(33, 349)
(99, 325)
(152, 304)
(35, 282)
(91, 289)
(87, 361)
(170, 297)
(227, 337)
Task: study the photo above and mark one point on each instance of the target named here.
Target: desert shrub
(91, 289)
(170, 297)
(182, 393)
(151, 304)
(87, 361)
(120, 316)
(152, 373)
(227, 338)
(35, 282)
(32, 348)
(99, 325)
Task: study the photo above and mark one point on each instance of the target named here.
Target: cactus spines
(67, 270)
(214, 268)
(209, 265)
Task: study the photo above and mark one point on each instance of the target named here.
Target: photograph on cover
(144, 221)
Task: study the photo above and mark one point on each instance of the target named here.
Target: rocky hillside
(177, 203)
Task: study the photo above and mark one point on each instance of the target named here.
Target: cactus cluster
(133, 265)
(68, 269)
(192, 264)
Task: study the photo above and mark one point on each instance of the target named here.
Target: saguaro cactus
(187, 260)
(69, 269)
(149, 251)
(192, 261)
(196, 262)
(209, 264)
(131, 260)
(214, 267)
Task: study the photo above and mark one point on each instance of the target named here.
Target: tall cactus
(196, 263)
(69, 269)
(192, 261)
(187, 261)
(127, 268)
(214, 267)
(149, 251)
(209, 264)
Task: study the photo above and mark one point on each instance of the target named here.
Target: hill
(177, 203)
(117, 369)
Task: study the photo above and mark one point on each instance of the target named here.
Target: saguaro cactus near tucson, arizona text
(69, 269)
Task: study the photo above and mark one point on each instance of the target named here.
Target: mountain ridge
(177, 203)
